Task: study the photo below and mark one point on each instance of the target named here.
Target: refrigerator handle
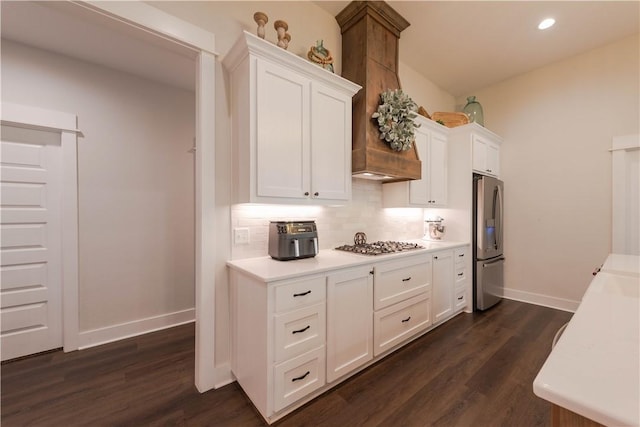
(499, 231)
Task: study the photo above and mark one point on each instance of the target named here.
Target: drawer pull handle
(301, 330)
(407, 279)
(301, 294)
(460, 298)
(460, 274)
(301, 377)
(460, 255)
(406, 320)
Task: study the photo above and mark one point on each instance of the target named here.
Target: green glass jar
(473, 110)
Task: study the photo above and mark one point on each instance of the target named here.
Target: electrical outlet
(241, 236)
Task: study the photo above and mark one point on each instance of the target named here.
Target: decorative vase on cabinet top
(473, 109)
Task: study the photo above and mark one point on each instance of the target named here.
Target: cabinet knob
(306, 193)
(316, 194)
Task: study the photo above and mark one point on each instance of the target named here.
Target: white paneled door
(31, 236)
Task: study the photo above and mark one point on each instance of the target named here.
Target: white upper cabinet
(431, 190)
(291, 127)
(486, 156)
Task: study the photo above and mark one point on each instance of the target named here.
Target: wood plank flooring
(476, 370)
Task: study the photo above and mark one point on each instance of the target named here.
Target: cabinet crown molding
(476, 128)
(254, 45)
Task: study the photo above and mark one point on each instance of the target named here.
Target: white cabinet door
(443, 285)
(282, 137)
(493, 159)
(438, 170)
(486, 156)
(330, 144)
(419, 189)
(431, 189)
(349, 320)
(479, 155)
(290, 127)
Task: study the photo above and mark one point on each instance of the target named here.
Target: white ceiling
(463, 46)
(72, 30)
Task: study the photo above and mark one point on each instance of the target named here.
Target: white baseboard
(121, 331)
(543, 300)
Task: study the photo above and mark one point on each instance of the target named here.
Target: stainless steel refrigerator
(488, 236)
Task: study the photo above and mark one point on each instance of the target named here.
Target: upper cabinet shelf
(291, 127)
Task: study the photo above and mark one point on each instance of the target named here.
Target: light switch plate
(241, 236)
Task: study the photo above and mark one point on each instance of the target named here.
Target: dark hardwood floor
(476, 370)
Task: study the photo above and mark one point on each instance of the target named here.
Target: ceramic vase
(473, 109)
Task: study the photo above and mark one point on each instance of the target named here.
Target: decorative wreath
(395, 116)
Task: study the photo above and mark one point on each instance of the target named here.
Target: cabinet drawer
(299, 331)
(461, 299)
(300, 293)
(401, 321)
(461, 275)
(398, 280)
(461, 255)
(298, 377)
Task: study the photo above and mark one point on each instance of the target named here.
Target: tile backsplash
(336, 224)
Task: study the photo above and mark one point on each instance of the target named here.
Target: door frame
(149, 20)
(65, 124)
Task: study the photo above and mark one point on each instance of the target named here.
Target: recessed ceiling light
(546, 23)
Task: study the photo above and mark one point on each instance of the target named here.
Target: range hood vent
(370, 38)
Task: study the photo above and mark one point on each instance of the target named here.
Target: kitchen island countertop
(268, 270)
(594, 369)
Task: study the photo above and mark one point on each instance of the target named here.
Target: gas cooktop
(379, 247)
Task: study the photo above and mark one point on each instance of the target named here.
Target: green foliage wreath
(395, 116)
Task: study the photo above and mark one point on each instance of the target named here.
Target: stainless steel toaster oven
(293, 240)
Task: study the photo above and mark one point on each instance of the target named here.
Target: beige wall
(135, 182)
(558, 123)
(307, 23)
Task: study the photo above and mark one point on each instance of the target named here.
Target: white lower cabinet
(443, 285)
(397, 280)
(402, 300)
(293, 339)
(349, 320)
(462, 279)
(401, 321)
(278, 338)
(298, 377)
(298, 331)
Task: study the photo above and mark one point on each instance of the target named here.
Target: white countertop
(594, 369)
(269, 270)
(622, 264)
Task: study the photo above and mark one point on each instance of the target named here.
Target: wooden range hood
(370, 39)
